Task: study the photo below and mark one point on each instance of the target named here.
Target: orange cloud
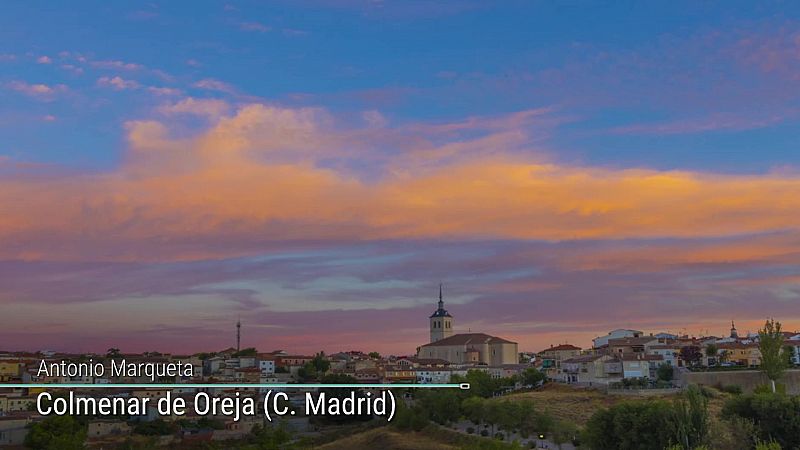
(259, 176)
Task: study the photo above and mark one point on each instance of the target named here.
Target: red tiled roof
(582, 359)
(632, 340)
(469, 338)
(562, 347)
(641, 357)
(731, 345)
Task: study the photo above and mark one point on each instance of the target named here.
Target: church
(464, 348)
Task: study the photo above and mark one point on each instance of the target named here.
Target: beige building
(586, 369)
(628, 345)
(552, 357)
(747, 355)
(471, 348)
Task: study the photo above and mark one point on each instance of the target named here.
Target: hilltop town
(623, 359)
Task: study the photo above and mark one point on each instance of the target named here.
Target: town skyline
(524, 347)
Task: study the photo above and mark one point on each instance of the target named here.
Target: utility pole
(238, 334)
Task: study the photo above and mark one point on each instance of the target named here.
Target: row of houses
(421, 370)
(625, 353)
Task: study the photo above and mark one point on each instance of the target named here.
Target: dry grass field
(386, 438)
(577, 405)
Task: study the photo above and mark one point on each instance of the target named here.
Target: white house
(433, 375)
(795, 342)
(267, 367)
(615, 334)
(640, 366)
(669, 352)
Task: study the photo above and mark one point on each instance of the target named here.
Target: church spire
(441, 321)
(440, 311)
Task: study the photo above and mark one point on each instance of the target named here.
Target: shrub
(665, 372)
(734, 389)
(499, 436)
(776, 417)
(780, 388)
(470, 430)
(157, 427)
(707, 392)
(410, 418)
(57, 433)
(649, 425)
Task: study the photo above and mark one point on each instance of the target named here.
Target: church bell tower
(441, 322)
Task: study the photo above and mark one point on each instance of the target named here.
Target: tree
(406, 418)
(57, 433)
(532, 377)
(442, 405)
(493, 413)
(473, 409)
(341, 394)
(315, 368)
(509, 421)
(321, 363)
(480, 383)
(712, 351)
(654, 425)
(631, 425)
(789, 351)
(691, 354)
(665, 372)
(308, 372)
(271, 437)
(113, 352)
(157, 427)
(773, 360)
(374, 355)
(526, 416)
(563, 432)
(691, 418)
(723, 355)
(249, 351)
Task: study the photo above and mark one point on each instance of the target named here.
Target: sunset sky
(317, 168)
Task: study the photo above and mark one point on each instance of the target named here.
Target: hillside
(431, 438)
(576, 405)
(388, 439)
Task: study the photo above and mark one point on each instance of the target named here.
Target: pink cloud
(40, 91)
(164, 91)
(215, 85)
(716, 122)
(212, 108)
(116, 65)
(118, 83)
